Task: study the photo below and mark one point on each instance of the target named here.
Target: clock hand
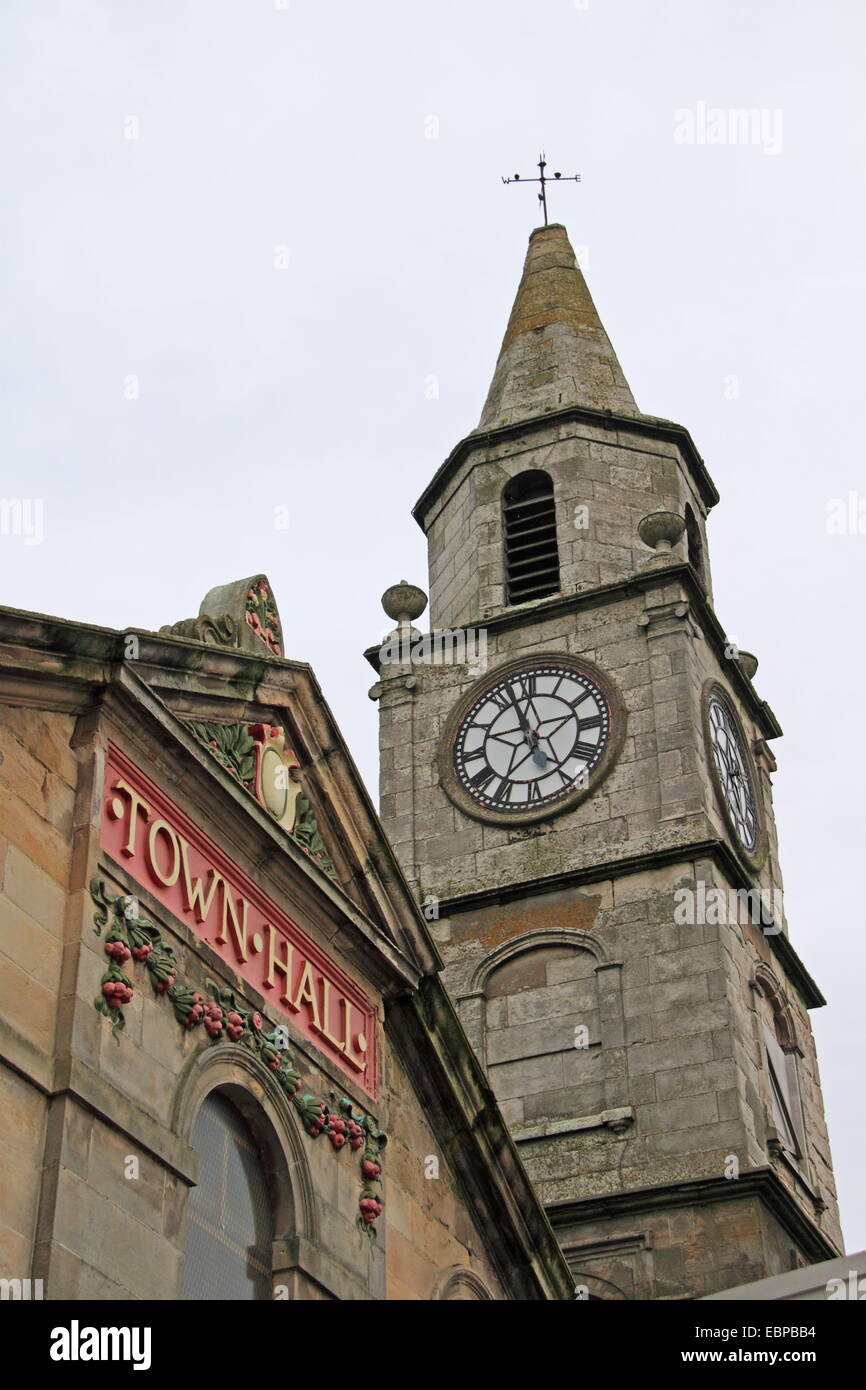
(524, 722)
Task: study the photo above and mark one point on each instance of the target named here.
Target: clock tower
(577, 778)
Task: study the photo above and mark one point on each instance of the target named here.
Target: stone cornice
(762, 1183)
(641, 581)
(650, 425)
(716, 850)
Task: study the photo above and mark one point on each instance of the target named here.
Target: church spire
(555, 352)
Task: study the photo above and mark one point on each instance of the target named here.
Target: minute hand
(538, 754)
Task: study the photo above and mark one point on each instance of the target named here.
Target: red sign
(169, 856)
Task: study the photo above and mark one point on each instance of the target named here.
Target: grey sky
(730, 278)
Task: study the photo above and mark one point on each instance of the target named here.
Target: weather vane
(544, 181)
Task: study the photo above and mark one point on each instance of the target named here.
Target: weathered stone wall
(617, 476)
(674, 1080)
(37, 780)
(430, 1239)
(96, 1152)
(653, 797)
(669, 1082)
(681, 1251)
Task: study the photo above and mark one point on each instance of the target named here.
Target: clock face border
(754, 858)
(450, 780)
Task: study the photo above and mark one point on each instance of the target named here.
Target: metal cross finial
(544, 181)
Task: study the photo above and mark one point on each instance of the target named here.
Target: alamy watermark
(760, 126)
(24, 517)
(846, 516)
(703, 905)
(20, 1289)
(443, 647)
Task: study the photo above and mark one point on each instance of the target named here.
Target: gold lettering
(136, 803)
(283, 966)
(161, 826)
(235, 919)
(326, 1014)
(306, 994)
(197, 900)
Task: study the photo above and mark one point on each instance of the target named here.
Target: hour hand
(531, 738)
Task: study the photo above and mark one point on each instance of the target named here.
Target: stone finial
(749, 663)
(661, 531)
(404, 602)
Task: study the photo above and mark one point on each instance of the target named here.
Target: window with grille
(694, 545)
(529, 523)
(230, 1226)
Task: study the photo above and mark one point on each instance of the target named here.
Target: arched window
(230, 1227)
(694, 543)
(529, 526)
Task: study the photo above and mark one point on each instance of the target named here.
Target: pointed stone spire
(555, 352)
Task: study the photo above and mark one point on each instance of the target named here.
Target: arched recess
(461, 1284)
(236, 1074)
(769, 986)
(598, 1290)
(544, 1013)
(553, 936)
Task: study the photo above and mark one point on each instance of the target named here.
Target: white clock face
(531, 739)
(732, 766)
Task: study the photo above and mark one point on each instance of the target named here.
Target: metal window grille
(531, 553)
(230, 1226)
(694, 545)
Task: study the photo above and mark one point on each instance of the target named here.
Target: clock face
(531, 739)
(734, 774)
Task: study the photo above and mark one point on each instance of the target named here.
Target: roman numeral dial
(733, 771)
(531, 738)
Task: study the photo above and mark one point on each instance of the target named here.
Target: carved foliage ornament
(241, 614)
(256, 754)
(131, 937)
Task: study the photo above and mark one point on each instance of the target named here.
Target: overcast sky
(239, 238)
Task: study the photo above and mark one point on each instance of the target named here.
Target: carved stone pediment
(241, 614)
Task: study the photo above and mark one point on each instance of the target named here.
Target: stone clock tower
(576, 777)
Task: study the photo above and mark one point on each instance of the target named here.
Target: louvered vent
(693, 543)
(531, 555)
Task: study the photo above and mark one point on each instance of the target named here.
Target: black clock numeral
(521, 730)
(482, 777)
(592, 722)
(584, 750)
(733, 772)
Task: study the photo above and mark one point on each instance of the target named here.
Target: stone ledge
(617, 1120)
